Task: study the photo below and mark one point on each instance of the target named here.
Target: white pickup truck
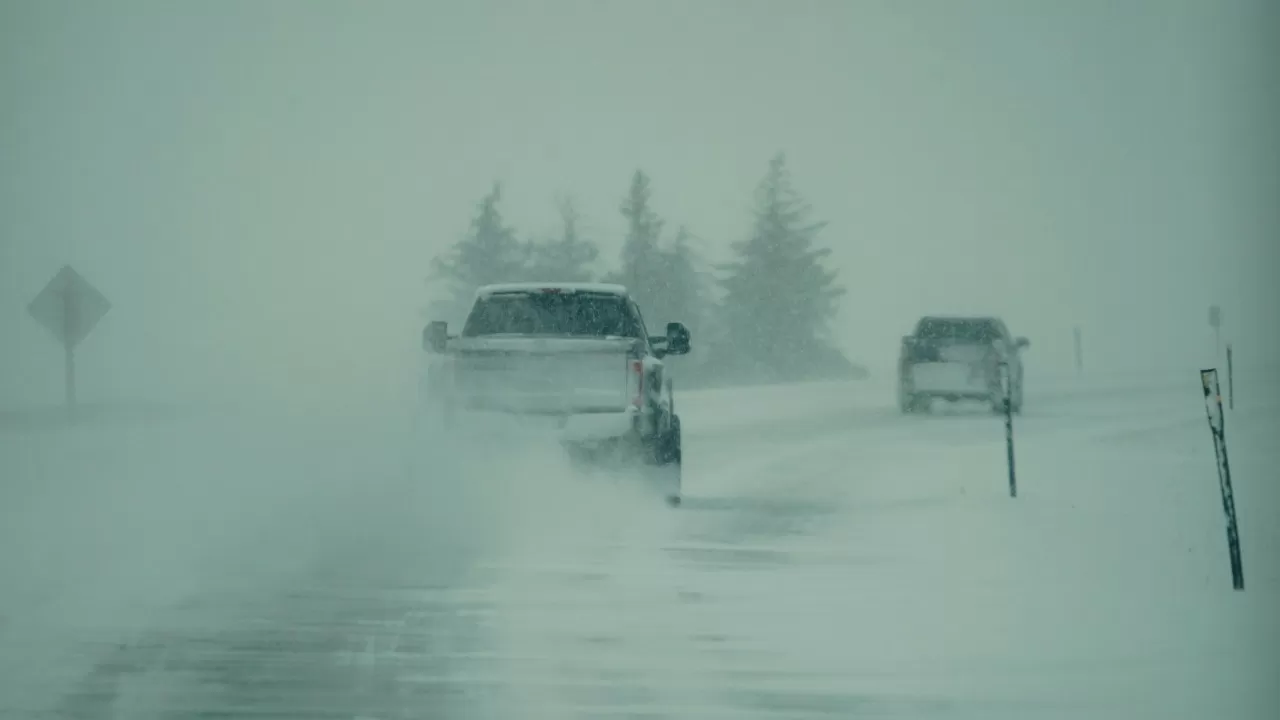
(960, 358)
(573, 357)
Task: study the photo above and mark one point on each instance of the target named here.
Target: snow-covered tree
(641, 269)
(778, 294)
(489, 253)
(568, 258)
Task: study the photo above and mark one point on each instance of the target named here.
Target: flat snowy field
(833, 559)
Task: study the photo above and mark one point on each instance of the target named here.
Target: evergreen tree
(666, 281)
(568, 258)
(686, 299)
(489, 253)
(778, 295)
(685, 286)
(641, 269)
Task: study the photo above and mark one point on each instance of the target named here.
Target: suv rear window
(958, 330)
(590, 314)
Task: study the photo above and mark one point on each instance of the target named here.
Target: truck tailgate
(948, 366)
(543, 375)
(964, 353)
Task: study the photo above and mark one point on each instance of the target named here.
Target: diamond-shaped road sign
(69, 307)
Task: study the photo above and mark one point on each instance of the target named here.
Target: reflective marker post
(1217, 427)
(1231, 381)
(1006, 382)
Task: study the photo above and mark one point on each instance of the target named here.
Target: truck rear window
(966, 331)
(597, 315)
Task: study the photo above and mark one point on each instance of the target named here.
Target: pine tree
(686, 299)
(779, 297)
(641, 268)
(685, 295)
(667, 282)
(568, 258)
(489, 253)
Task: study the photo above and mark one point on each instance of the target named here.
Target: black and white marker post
(1006, 383)
(1231, 381)
(1217, 427)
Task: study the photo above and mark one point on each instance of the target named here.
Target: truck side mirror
(677, 339)
(1022, 343)
(435, 336)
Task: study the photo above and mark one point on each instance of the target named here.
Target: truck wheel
(907, 401)
(912, 404)
(670, 459)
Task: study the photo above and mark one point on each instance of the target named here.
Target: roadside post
(1231, 381)
(1215, 322)
(1006, 383)
(1217, 427)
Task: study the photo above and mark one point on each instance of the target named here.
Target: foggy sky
(259, 186)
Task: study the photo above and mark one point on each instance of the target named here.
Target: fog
(259, 187)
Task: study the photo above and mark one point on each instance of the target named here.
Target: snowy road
(833, 559)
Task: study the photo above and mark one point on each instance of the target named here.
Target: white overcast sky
(259, 186)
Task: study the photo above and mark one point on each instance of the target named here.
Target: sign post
(69, 308)
(1079, 350)
(1215, 322)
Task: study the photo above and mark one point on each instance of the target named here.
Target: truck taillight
(637, 367)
